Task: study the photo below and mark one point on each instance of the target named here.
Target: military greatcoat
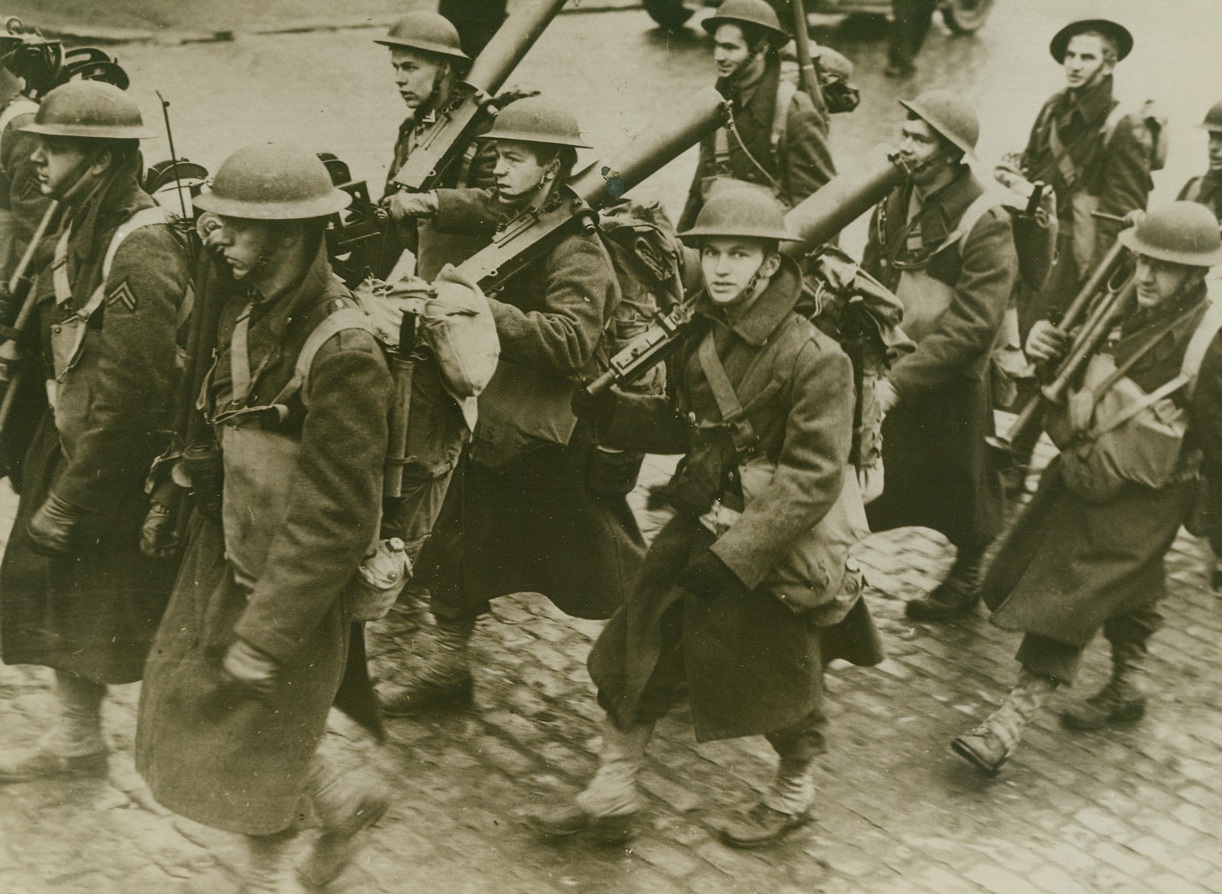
(94, 612)
(207, 752)
(937, 469)
(752, 664)
(520, 515)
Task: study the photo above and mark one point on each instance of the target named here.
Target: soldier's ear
(771, 265)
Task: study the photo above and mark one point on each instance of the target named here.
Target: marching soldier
(76, 594)
(762, 408)
(258, 634)
(777, 139)
(1097, 157)
(1087, 552)
(947, 251)
(520, 515)
(428, 61)
(1207, 188)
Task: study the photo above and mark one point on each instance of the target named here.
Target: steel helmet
(1180, 233)
(536, 120)
(89, 109)
(271, 181)
(737, 209)
(1213, 119)
(427, 32)
(749, 12)
(1119, 35)
(948, 114)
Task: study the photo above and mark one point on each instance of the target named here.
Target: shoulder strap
(334, 323)
(145, 217)
(981, 205)
(728, 404)
(1201, 339)
(1119, 110)
(1192, 190)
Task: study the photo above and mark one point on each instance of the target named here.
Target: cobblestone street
(1133, 810)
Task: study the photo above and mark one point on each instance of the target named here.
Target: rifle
(534, 232)
(816, 220)
(192, 454)
(470, 105)
(20, 294)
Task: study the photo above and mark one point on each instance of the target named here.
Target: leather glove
(52, 527)
(709, 578)
(251, 671)
(158, 539)
(595, 409)
(403, 205)
(886, 395)
(1046, 343)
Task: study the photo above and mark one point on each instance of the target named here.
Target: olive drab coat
(938, 473)
(1108, 167)
(524, 517)
(1070, 563)
(800, 163)
(207, 752)
(753, 664)
(1205, 190)
(94, 613)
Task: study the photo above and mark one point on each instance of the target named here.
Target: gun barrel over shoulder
(469, 109)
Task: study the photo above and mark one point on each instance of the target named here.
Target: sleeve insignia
(122, 294)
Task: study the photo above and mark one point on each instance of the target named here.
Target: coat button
(56, 327)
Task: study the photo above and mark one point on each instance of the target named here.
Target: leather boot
(269, 865)
(444, 683)
(76, 747)
(990, 745)
(957, 595)
(1121, 700)
(785, 807)
(346, 806)
(605, 809)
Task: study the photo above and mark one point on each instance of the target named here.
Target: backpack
(1150, 114)
(643, 250)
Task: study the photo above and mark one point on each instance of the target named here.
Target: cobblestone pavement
(1131, 810)
(1134, 810)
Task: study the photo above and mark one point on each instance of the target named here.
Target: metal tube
(510, 44)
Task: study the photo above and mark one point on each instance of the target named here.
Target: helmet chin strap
(752, 284)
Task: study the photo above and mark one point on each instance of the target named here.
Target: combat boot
(785, 807)
(76, 747)
(1121, 700)
(990, 745)
(269, 865)
(444, 683)
(958, 595)
(346, 806)
(604, 811)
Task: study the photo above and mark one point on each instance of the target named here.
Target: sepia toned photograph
(611, 447)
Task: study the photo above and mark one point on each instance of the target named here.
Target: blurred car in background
(961, 16)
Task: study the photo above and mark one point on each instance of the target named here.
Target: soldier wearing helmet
(258, 630)
(764, 462)
(947, 251)
(1096, 154)
(519, 514)
(1087, 551)
(76, 594)
(428, 62)
(1207, 188)
(777, 139)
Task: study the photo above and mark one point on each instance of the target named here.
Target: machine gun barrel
(840, 201)
(460, 119)
(533, 233)
(1114, 305)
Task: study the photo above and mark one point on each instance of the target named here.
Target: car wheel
(670, 14)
